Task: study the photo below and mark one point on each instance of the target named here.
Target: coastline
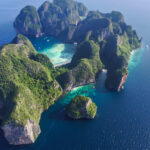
(63, 63)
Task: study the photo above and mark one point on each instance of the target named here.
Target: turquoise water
(57, 51)
(123, 120)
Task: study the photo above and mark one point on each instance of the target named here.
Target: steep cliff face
(92, 29)
(84, 67)
(69, 9)
(82, 10)
(52, 19)
(27, 88)
(112, 38)
(115, 53)
(81, 107)
(28, 22)
(18, 135)
(115, 80)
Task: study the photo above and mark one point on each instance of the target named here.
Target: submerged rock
(81, 107)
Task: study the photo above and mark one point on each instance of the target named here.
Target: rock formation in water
(27, 89)
(81, 107)
(28, 22)
(28, 80)
(56, 19)
(108, 35)
(84, 66)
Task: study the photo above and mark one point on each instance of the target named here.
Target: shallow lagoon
(56, 50)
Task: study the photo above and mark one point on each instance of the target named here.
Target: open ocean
(123, 119)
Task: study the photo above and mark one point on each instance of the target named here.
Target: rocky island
(27, 88)
(81, 107)
(29, 82)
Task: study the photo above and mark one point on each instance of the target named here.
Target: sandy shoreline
(63, 63)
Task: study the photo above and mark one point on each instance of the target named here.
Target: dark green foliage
(99, 37)
(115, 16)
(116, 28)
(43, 59)
(108, 52)
(79, 108)
(115, 53)
(114, 79)
(91, 29)
(82, 10)
(27, 85)
(86, 49)
(28, 21)
(52, 17)
(94, 15)
(84, 67)
(59, 71)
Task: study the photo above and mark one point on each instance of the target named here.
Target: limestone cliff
(18, 135)
(27, 88)
(28, 22)
(81, 107)
(84, 67)
(53, 19)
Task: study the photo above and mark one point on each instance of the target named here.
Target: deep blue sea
(123, 119)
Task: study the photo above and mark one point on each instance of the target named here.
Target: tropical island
(81, 107)
(31, 84)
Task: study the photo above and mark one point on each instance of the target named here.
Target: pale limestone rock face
(18, 135)
(123, 80)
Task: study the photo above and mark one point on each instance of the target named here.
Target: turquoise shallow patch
(57, 51)
(135, 58)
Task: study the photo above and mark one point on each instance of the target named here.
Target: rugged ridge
(84, 67)
(29, 82)
(81, 107)
(52, 19)
(28, 22)
(27, 88)
(71, 22)
(18, 135)
(113, 39)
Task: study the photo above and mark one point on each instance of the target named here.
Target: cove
(57, 51)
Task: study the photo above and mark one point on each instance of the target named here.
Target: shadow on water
(100, 84)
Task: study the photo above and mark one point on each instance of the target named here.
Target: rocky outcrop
(28, 22)
(84, 67)
(115, 81)
(28, 87)
(54, 19)
(81, 107)
(76, 77)
(92, 28)
(82, 10)
(20, 135)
